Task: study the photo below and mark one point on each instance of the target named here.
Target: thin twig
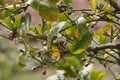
(100, 58)
(82, 10)
(4, 36)
(111, 72)
(4, 25)
(68, 17)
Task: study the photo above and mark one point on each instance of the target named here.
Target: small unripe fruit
(104, 15)
(93, 24)
(86, 64)
(44, 72)
(83, 59)
(39, 53)
(106, 34)
(62, 9)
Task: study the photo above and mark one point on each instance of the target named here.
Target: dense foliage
(66, 41)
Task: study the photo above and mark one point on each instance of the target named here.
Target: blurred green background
(9, 70)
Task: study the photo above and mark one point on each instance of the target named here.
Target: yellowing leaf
(108, 8)
(18, 60)
(93, 4)
(110, 16)
(63, 17)
(107, 27)
(56, 54)
(70, 31)
(80, 31)
(38, 29)
(76, 33)
(48, 11)
(77, 47)
(99, 33)
(97, 75)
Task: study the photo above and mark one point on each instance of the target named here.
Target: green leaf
(68, 1)
(17, 22)
(2, 2)
(79, 57)
(80, 31)
(63, 17)
(81, 28)
(73, 61)
(108, 8)
(101, 38)
(49, 12)
(99, 33)
(97, 75)
(9, 21)
(53, 1)
(71, 64)
(77, 47)
(28, 21)
(110, 16)
(34, 4)
(70, 30)
(5, 14)
(93, 4)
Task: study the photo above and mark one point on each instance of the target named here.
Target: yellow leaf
(76, 33)
(97, 75)
(56, 54)
(18, 60)
(107, 27)
(38, 29)
(93, 4)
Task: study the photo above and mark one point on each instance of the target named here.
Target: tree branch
(114, 5)
(101, 58)
(104, 46)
